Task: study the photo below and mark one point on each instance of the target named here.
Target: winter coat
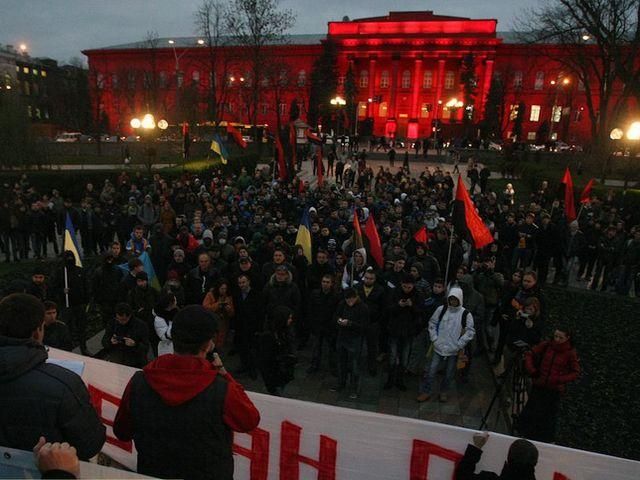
(148, 214)
(249, 313)
(106, 283)
(57, 335)
(175, 391)
(447, 335)
(78, 291)
(197, 284)
(38, 398)
(489, 283)
(357, 318)
(404, 321)
(162, 324)
(320, 312)
(136, 330)
(282, 293)
(467, 466)
(375, 301)
(552, 365)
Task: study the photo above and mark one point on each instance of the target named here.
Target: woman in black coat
(276, 360)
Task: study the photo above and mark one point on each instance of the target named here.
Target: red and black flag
(466, 221)
(236, 135)
(357, 231)
(421, 235)
(569, 201)
(585, 197)
(375, 246)
(293, 143)
(282, 164)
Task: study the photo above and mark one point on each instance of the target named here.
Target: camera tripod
(516, 372)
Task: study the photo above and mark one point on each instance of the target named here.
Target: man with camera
(182, 408)
(126, 339)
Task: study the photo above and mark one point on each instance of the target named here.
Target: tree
(494, 109)
(518, 120)
(16, 141)
(324, 83)
(350, 94)
(211, 25)
(600, 44)
(469, 89)
(256, 26)
(294, 110)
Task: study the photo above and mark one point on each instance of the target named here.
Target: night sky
(60, 29)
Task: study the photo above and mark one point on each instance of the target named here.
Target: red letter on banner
(559, 476)
(97, 397)
(290, 457)
(258, 454)
(420, 458)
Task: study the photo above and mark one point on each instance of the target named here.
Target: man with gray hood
(450, 330)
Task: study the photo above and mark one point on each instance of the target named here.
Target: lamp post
(148, 125)
(337, 102)
(435, 128)
(558, 83)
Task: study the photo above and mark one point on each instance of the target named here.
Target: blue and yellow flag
(147, 265)
(70, 240)
(217, 147)
(304, 236)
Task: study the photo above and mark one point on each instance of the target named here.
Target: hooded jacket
(447, 334)
(180, 413)
(38, 398)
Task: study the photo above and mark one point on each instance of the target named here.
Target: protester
(276, 361)
(164, 312)
(53, 399)
(181, 408)
(56, 333)
(125, 339)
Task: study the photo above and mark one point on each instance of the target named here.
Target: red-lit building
(407, 68)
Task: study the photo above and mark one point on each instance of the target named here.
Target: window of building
(46, 113)
(35, 71)
(195, 78)
(556, 113)
(264, 108)
(265, 81)
(228, 107)
(425, 110)
(17, 69)
(100, 81)
(539, 83)
(364, 79)
(449, 80)
(38, 116)
(35, 88)
(577, 114)
(406, 79)
(248, 79)
(517, 79)
(25, 70)
(282, 108)
(131, 80)
(535, 113)
(382, 109)
(341, 80)
(384, 79)
(147, 80)
(180, 79)
(446, 113)
(43, 73)
(29, 111)
(26, 89)
(513, 112)
(302, 78)
(162, 79)
(531, 135)
(283, 78)
(114, 81)
(362, 109)
(427, 79)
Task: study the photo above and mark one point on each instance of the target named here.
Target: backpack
(465, 314)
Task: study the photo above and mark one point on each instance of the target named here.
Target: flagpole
(580, 212)
(446, 275)
(66, 287)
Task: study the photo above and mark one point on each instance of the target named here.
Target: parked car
(69, 137)
(247, 138)
(561, 146)
(534, 147)
(495, 146)
(131, 138)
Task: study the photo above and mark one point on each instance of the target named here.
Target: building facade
(413, 71)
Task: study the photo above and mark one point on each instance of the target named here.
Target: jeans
(318, 342)
(371, 339)
(399, 349)
(348, 360)
(418, 351)
(431, 371)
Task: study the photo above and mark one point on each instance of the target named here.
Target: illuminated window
(162, 79)
(449, 80)
(302, 78)
(17, 69)
(180, 79)
(43, 73)
(382, 109)
(35, 71)
(531, 135)
(513, 112)
(282, 108)
(341, 80)
(424, 110)
(131, 80)
(195, 78)
(517, 79)
(384, 79)
(114, 81)
(446, 113)
(100, 81)
(362, 109)
(535, 113)
(25, 70)
(427, 79)
(556, 113)
(38, 113)
(406, 79)
(29, 111)
(264, 108)
(364, 79)
(539, 83)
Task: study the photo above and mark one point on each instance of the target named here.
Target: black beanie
(194, 325)
(522, 453)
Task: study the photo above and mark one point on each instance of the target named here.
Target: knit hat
(523, 453)
(207, 234)
(178, 252)
(194, 325)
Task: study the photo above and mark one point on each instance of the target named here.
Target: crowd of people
(227, 243)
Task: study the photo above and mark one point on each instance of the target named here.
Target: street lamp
(23, 48)
(337, 102)
(148, 124)
(559, 82)
(435, 128)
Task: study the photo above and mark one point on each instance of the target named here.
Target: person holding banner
(181, 408)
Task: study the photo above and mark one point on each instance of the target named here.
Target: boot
(400, 380)
(391, 379)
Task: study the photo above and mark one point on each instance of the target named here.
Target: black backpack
(465, 314)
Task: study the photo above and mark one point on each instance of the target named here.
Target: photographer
(126, 339)
(552, 364)
(525, 329)
(275, 358)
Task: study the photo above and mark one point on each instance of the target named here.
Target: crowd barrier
(302, 440)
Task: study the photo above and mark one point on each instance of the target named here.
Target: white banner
(297, 440)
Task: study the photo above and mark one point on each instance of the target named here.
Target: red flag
(320, 168)
(357, 231)
(282, 165)
(421, 235)
(467, 220)
(375, 246)
(294, 144)
(569, 205)
(585, 197)
(237, 136)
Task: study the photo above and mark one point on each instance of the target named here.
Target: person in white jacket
(164, 312)
(450, 330)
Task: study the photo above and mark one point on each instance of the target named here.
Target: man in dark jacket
(126, 339)
(521, 461)
(157, 405)
(106, 285)
(72, 295)
(322, 304)
(199, 280)
(38, 398)
(249, 320)
(373, 295)
(56, 333)
(318, 269)
(280, 290)
(352, 317)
